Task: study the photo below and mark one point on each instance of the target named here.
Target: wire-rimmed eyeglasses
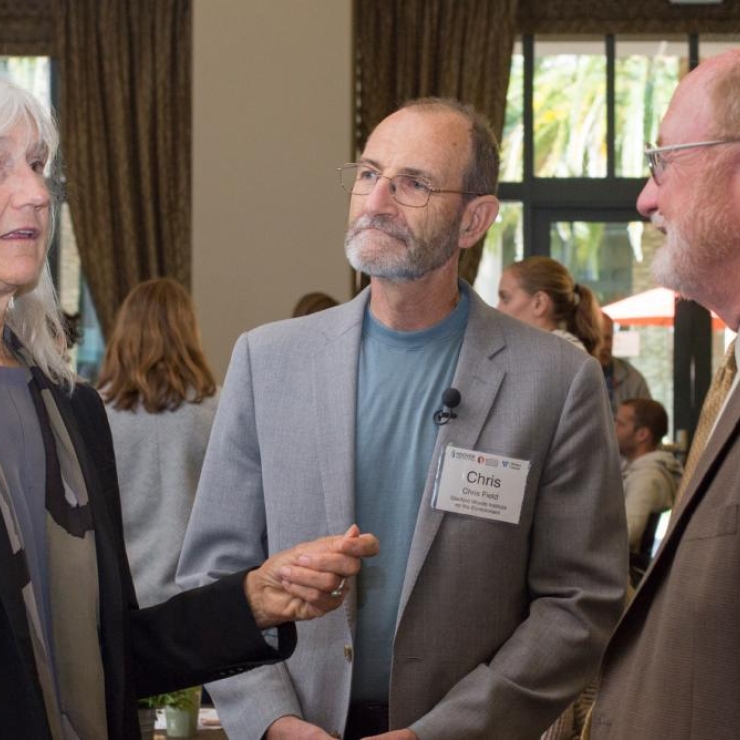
(657, 161)
(406, 190)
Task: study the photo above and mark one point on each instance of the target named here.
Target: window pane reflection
(504, 244)
(30, 73)
(646, 74)
(512, 141)
(570, 108)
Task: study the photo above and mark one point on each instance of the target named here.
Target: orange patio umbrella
(656, 307)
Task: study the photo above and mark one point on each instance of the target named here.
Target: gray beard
(671, 267)
(693, 259)
(417, 258)
(690, 269)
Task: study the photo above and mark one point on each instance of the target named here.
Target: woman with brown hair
(541, 292)
(161, 398)
(312, 303)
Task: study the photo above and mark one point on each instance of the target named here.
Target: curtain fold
(26, 28)
(446, 48)
(125, 119)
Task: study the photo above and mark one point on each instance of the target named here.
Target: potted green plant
(147, 717)
(180, 710)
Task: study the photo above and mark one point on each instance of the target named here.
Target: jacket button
(348, 652)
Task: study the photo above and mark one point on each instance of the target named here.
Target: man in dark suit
(672, 668)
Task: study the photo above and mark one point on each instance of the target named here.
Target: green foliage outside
(570, 138)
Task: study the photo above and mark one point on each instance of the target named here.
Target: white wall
(271, 121)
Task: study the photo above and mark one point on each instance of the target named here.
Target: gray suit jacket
(500, 625)
(672, 669)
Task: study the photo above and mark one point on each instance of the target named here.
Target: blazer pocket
(711, 523)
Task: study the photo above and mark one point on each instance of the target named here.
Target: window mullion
(610, 107)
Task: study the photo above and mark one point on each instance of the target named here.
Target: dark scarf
(75, 702)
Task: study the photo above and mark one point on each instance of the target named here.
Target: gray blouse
(23, 463)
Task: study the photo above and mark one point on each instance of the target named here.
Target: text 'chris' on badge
(480, 484)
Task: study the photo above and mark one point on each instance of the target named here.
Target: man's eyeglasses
(407, 190)
(657, 161)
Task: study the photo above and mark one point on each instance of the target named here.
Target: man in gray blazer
(672, 669)
(499, 510)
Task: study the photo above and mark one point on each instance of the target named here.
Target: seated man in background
(651, 475)
(622, 380)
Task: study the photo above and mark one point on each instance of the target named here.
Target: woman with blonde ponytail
(541, 292)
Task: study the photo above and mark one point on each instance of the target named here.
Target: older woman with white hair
(75, 649)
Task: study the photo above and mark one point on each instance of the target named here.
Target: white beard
(396, 253)
(673, 267)
(695, 257)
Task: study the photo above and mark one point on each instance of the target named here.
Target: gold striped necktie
(718, 390)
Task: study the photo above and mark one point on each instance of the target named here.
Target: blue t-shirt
(401, 378)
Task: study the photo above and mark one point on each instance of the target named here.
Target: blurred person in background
(650, 475)
(313, 302)
(623, 381)
(160, 397)
(541, 292)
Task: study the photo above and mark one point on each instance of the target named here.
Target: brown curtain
(26, 28)
(655, 17)
(447, 48)
(125, 107)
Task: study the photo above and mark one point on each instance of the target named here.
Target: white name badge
(481, 485)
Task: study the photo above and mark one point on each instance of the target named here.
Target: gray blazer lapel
(334, 369)
(478, 379)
